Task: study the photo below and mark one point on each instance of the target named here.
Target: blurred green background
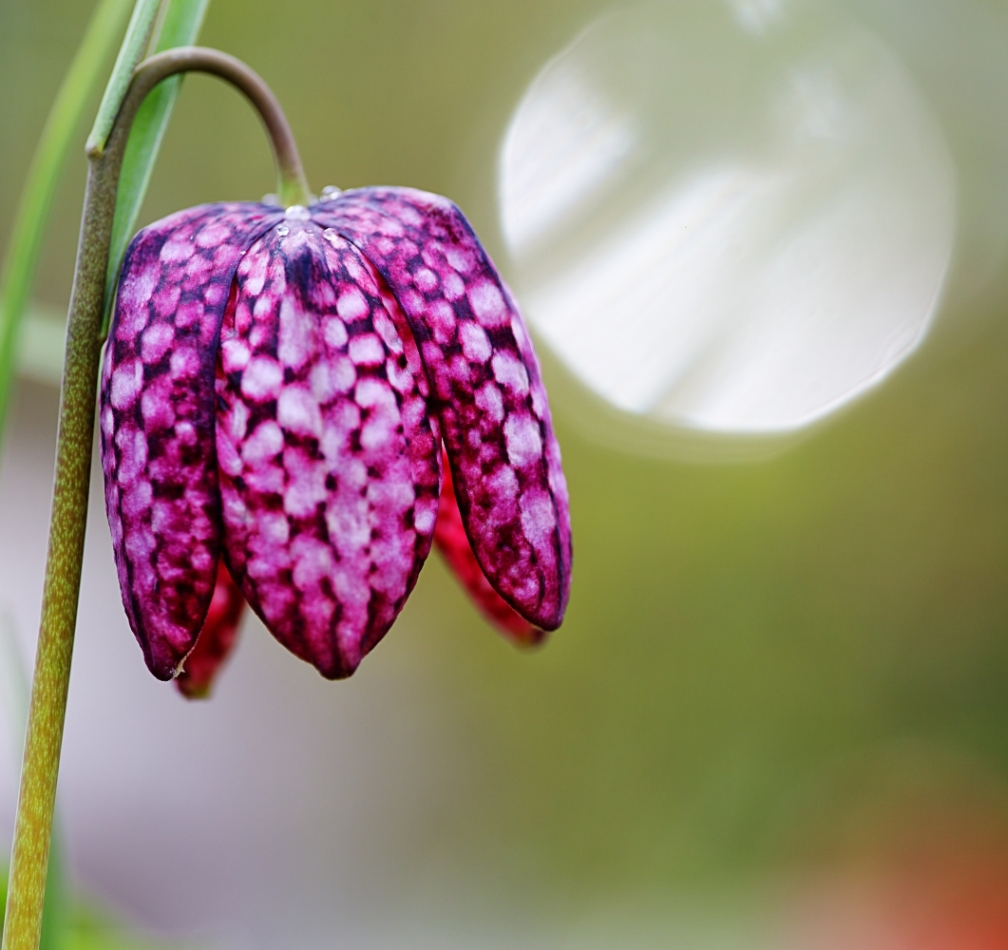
(771, 673)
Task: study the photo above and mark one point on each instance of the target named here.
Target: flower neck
(292, 186)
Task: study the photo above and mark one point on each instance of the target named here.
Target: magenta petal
(490, 399)
(157, 421)
(329, 462)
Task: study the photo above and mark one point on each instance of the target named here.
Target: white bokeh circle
(727, 217)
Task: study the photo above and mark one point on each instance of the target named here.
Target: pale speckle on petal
(274, 528)
(262, 379)
(234, 355)
(502, 484)
(352, 305)
(425, 517)
(267, 479)
(459, 259)
(334, 332)
(134, 292)
(184, 363)
(387, 331)
(366, 350)
(176, 250)
(426, 280)
(155, 342)
(538, 519)
(126, 382)
(453, 286)
(475, 342)
(265, 443)
(313, 561)
(488, 305)
(379, 431)
(523, 440)
(228, 457)
(490, 401)
(298, 412)
(306, 483)
(297, 335)
(136, 498)
(237, 421)
(509, 371)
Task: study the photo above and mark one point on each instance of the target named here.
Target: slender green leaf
(130, 53)
(180, 27)
(103, 31)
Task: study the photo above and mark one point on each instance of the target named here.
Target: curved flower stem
(33, 827)
(292, 184)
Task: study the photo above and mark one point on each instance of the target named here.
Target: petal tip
(197, 672)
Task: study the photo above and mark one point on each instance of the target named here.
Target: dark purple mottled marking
(157, 420)
(486, 384)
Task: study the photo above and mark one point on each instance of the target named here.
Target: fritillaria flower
(277, 392)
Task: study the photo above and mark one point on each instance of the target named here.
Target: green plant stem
(33, 828)
(15, 690)
(47, 712)
(26, 236)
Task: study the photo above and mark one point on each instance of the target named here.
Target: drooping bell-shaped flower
(276, 391)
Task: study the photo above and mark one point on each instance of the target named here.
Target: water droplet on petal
(297, 213)
(330, 234)
(283, 229)
(330, 192)
(271, 199)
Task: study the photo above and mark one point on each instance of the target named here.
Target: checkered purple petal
(157, 420)
(329, 459)
(486, 387)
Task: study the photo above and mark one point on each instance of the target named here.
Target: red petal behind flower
(215, 641)
(157, 421)
(450, 539)
(492, 406)
(329, 462)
